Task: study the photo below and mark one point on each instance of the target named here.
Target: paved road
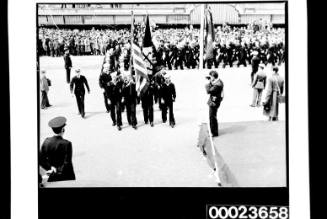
(158, 156)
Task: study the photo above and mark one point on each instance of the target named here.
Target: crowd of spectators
(174, 47)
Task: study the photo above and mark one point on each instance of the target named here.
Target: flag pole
(201, 36)
(214, 156)
(132, 40)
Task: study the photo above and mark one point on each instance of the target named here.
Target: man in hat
(188, 53)
(77, 85)
(258, 85)
(159, 80)
(68, 64)
(115, 96)
(168, 96)
(147, 101)
(104, 83)
(44, 87)
(130, 100)
(215, 89)
(56, 153)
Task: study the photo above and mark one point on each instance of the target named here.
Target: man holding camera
(215, 88)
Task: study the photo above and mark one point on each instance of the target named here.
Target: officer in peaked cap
(56, 153)
(57, 122)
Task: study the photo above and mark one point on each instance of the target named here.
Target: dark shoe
(216, 135)
(151, 124)
(83, 115)
(172, 125)
(134, 127)
(113, 124)
(164, 121)
(119, 128)
(146, 122)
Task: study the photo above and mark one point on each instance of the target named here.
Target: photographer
(215, 88)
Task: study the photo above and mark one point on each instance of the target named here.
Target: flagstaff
(201, 37)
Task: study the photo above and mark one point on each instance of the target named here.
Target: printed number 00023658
(247, 212)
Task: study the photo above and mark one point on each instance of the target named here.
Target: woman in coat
(275, 87)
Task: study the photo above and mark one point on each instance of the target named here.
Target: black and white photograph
(162, 95)
(185, 109)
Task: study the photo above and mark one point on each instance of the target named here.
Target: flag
(209, 34)
(139, 65)
(223, 175)
(147, 40)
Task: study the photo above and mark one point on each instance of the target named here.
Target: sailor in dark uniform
(56, 153)
(255, 64)
(147, 101)
(104, 83)
(130, 100)
(68, 64)
(168, 96)
(115, 96)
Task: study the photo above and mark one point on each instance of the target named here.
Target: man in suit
(130, 100)
(77, 85)
(56, 153)
(44, 87)
(68, 64)
(215, 89)
(168, 97)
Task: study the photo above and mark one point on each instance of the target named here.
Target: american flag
(139, 64)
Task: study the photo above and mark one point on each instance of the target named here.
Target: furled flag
(138, 60)
(209, 34)
(222, 173)
(147, 39)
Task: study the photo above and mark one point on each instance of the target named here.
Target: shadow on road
(90, 114)
(232, 129)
